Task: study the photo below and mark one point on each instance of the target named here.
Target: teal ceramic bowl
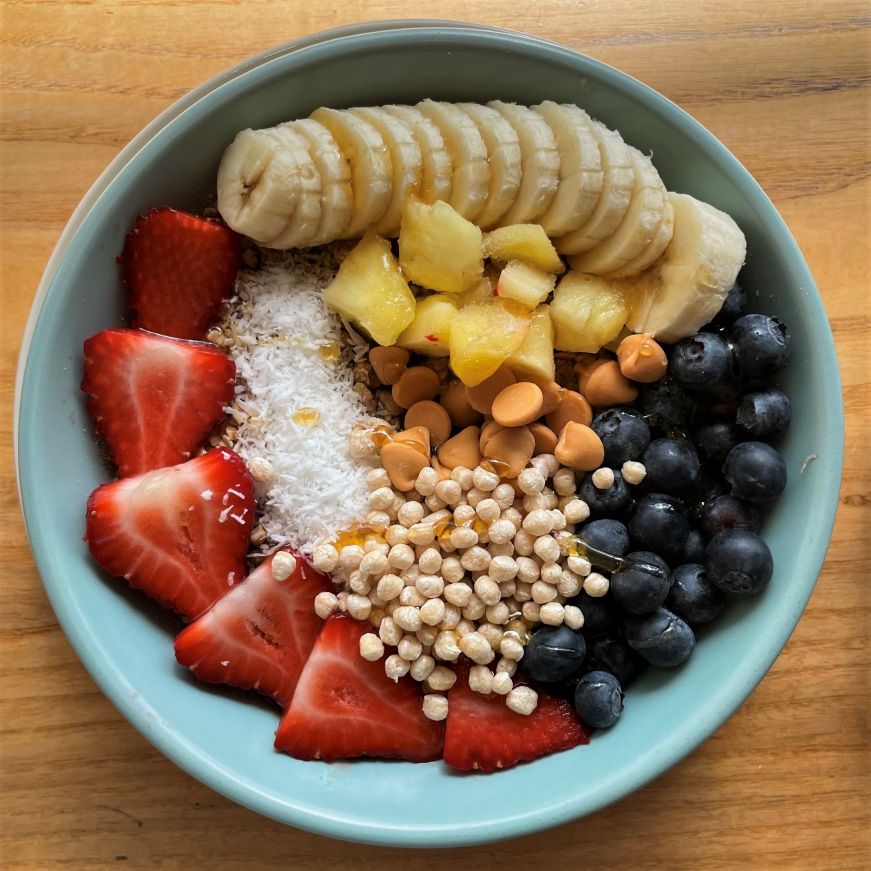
(224, 739)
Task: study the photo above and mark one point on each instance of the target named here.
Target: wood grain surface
(784, 784)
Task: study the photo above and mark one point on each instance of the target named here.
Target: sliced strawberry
(179, 269)
(155, 399)
(180, 533)
(483, 734)
(259, 635)
(346, 706)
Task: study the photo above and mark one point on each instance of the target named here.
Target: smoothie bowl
(458, 413)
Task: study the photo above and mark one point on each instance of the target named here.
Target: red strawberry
(155, 399)
(179, 269)
(259, 635)
(346, 706)
(483, 733)
(180, 533)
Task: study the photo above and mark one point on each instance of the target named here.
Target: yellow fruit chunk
(484, 335)
(369, 291)
(525, 284)
(438, 248)
(587, 312)
(430, 331)
(534, 358)
(481, 292)
(526, 242)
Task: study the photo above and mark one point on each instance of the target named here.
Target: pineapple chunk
(369, 291)
(438, 248)
(484, 335)
(587, 312)
(430, 331)
(526, 284)
(526, 242)
(481, 292)
(534, 358)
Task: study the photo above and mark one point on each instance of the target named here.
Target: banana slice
(435, 181)
(654, 249)
(503, 152)
(618, 180)
(647, 210)
(470, 181)
(405, 157)
(687, 286)
(581, 177)
(540, 161)
(371, 168)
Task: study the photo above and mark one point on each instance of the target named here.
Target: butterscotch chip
(456, 402)
(641, 358)
(418, 437)
(403, 463)
(444, 472)
(414, 385)
(518, 404)
(431, 415)
(510, 450)
(579, 447)
(545, 438)
(607, 385)
(461, 449)
(488, 430)
(388, 362)
(572, 408)
(552, 395)
(586, 368)
(481, 396)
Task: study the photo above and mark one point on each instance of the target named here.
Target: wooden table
(784, 784)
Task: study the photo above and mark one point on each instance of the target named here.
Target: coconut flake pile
(285, 345)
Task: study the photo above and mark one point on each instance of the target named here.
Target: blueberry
(739, 562)
(764, 414)
(734, 306)
(601, 616)
(692, 596)
(694, 547)
(610, 536)
(661, 637)
(715, 440)
(614, 655)
(643, 584)
(760, 345)
(599, 699)
(666, 405)
(672, 466)
(756, 472)
(727, 512)
(660, 523)
(700, 362)
(710, 486)
(553, 653)
(606, 503)
(623, 432)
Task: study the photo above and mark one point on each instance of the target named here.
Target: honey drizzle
(306, 416)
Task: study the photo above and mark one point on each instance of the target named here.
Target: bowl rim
(209, 771)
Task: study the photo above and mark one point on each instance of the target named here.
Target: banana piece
(503, 152)
(618, 180)
(646, 212)
(470, 182)
(654, 249)
(581, 177)
(405, 157)
(435, 180)
(540, 162)
(371, 168)
(688, 285)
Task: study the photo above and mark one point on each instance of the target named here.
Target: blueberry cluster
(688, 536)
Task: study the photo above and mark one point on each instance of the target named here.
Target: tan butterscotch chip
(432, 416)
(416, 436)
(444, 472)
(607, 385)
(579, 447)
(414, 385)
(461, 449)
(455, 401)
(572, 408)
(509, 451)
(388, 362)
(585, 369)
(488, 430)
(545, 438)
(518, 404)
(552, 396)
(403, 463)
(641, 358)
(481, 396)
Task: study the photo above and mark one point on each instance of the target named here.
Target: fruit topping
(738, 562)
(672, 466)
(692, 596)
(553, 654)
(765, 413)
(623, 432)
(756, 472)
(599, 699)
(659, 523)
(761, 345)
(701, 362)
(661, 637)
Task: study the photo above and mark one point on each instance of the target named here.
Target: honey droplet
(306, 416)
(356, 534)
(330, 352)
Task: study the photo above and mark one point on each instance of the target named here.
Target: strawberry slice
(179, 270)
(155, 399)
(483, 734)
(259, 635)
(346, 706)
(180, 533)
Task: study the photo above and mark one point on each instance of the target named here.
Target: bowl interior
(224, 738)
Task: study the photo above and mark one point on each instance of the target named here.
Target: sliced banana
(371, 168)
(618, 181)
(540, 160)
(687, 286)
(646, 212)
(435, 180)
(405, 157)
(503, 152)
(470, 182)
(654, 249)
(581, 177)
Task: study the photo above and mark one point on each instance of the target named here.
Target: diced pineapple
(534, 358)
(369, 291)
(481, 292)
(484, 335)
(430, 331)
(438, 248)
(526, 284)
(526, 242)
(587, 312)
